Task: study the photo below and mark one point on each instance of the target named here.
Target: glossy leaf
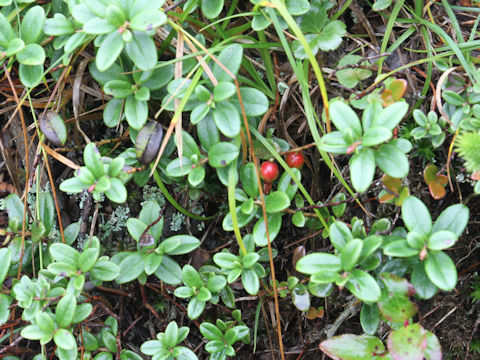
(352, 347)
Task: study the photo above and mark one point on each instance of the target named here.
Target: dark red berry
(295, 160)
(268, 171)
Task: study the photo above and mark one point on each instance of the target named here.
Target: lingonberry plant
(214, 106)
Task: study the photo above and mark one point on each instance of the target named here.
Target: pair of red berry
(269, 170)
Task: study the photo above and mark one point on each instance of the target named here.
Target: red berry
(295, 160)
(268, 171)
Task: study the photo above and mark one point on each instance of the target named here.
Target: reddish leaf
(409, 342)
(436, 182)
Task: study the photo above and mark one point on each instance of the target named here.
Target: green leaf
(376, 135)
(441, 240)
(363, 286)
(130, 268)
(230, 57)
(14, 46)
(136, 112)
(142, 51)
(227, 119)
(118, 88)
(352, 347)
(216, 283)
(454, 218)
(171, 334)
(259, 231)
(210, 331)
(390, 116)
(188, 243)
(99, 26)
(105, 270)
(381, 5)
(64, 339)
(5, 259)
(64, 253)
(87, 259)
(399, 248)
(117, 191)
(408, 342)
(351, 76)
(248, 177)
(340, 235)
(312, 263)
(362, 169)
(226, 260)
(392, 160)
(424, 288)
(179, 167)
(148, 20)
(212, 8)
(191, 277)
(334, 143)
(195, 308)
(344, 118)
(350, 254)
(287, 185)
(6, 31)
(255, 102)
(30, 76)
(222, 154)
(416, 216)
(65, 310)
(59, 25)
(32, 24)
(82, 312)
(169, 271)
(4, 307)
(223, 91)
(328, 39)
(109, 51)
(276, 201)
(208, 133)
(369, 318)
(91, 158)
(250, 281)
(441, 270)
(33, 332)
(32, 54)
(297, 7)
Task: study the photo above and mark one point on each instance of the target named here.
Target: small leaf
(454, 218)
(65, 310)
(362, 169)
(227, 119)
(148, 141)
(31, 54)
(363, 286)
(32, 24)
(109, 50)
(212, 8)
(408, 342)
(441, 240)
(276, 202)
(230, 57)
(142, 50)
(416, 216)
(53, 128)
(344, 118)
(312, 263)
(369, 318)
(352, 347)
(222, 154)
(64, 339)
(392, 161)
(441, 270)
